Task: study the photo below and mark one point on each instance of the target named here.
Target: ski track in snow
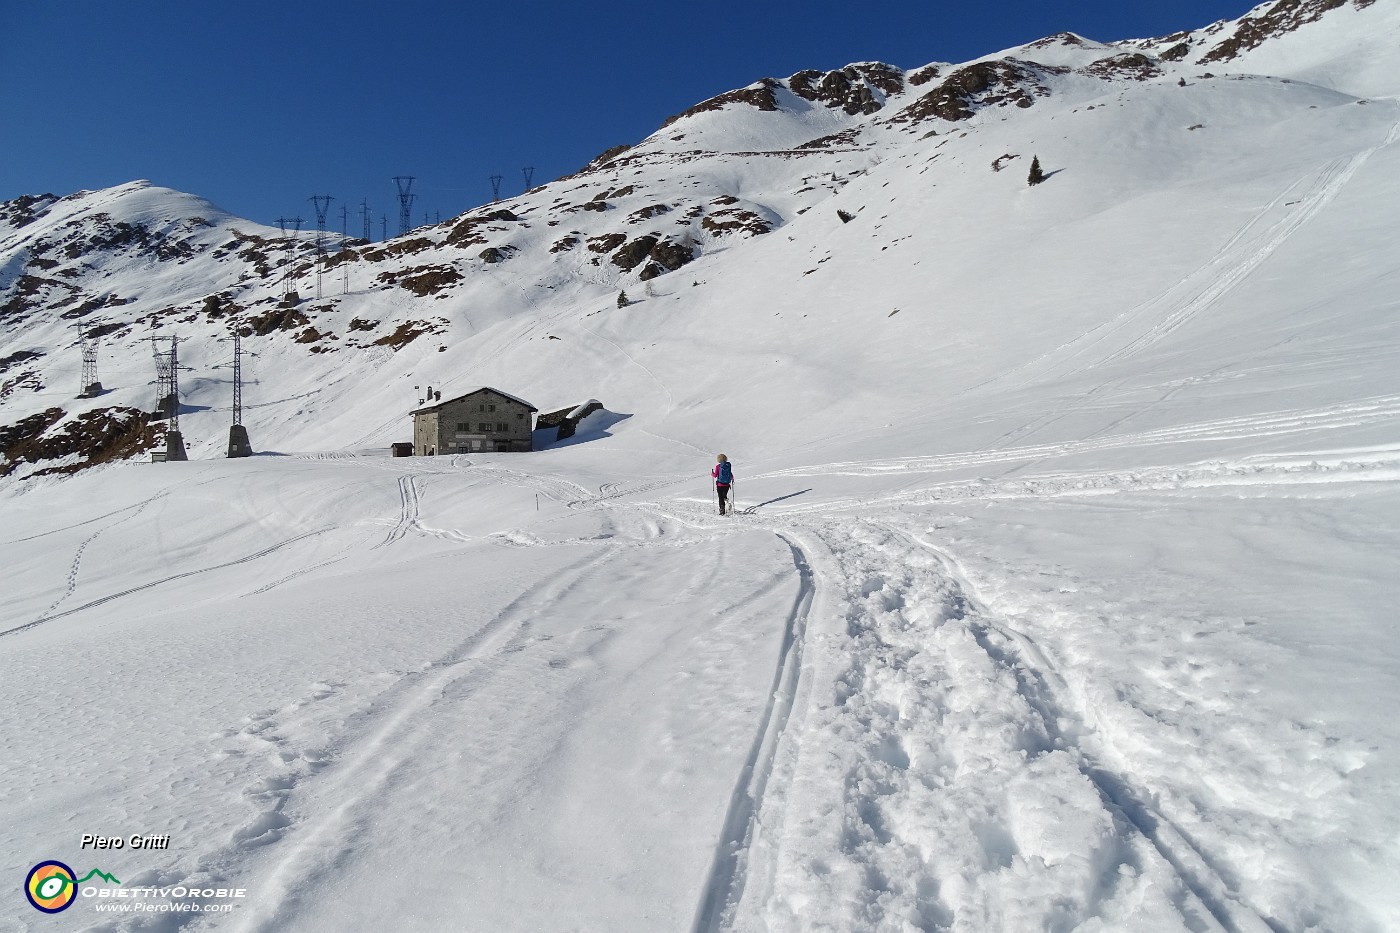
(409, 493)
(1378, 410)
(724, 888)
(1175, 307)
(917, 752)
(1239, 257)
(914, 639)
(901, 738)
(163, 580)
(399, 725)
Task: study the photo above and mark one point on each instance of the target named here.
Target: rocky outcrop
(666, 256)
(1133, 65)
(759, 95)
(647, 213)
(924, 75)
(604, 157)
(1280, 19)
(94, 437)
(423, 280)
(975, 87)
(630, 255)
(280, 318)
(472, 229)
(495, 254)
(735, 220)
(24, 209)
(856, 89)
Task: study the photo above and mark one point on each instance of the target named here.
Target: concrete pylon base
(174, 446)
(238, 444)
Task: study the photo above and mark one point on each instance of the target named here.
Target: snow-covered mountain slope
(723, 228)
(1061, 597)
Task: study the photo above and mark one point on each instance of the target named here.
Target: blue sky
(258, 105)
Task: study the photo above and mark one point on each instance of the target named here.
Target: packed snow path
(623, 712)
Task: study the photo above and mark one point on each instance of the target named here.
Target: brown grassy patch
(98, 436)
(422, 280)
(281, 318)
(405, 334)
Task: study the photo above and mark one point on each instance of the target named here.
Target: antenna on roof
(406, 197)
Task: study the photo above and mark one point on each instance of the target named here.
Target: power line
(322, 203)
(168, 402)
(291, 260)
(90, 386)
(238, 444)
(405, 185)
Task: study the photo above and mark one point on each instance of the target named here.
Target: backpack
(726, 474)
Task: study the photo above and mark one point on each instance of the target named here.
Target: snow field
(1061, 597)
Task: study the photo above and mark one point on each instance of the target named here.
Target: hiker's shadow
(754, 508)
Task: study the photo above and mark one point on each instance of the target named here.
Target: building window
(484, 428)
(502, 426)
(490, 407)
(463, 426)
(519, 415)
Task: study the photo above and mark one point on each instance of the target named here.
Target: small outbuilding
(481, 421)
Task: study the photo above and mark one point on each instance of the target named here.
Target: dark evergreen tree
(622, 301)
(1036, 176)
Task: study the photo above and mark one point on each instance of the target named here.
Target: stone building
(483, 420)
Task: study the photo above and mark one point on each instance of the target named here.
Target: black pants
(723, 496)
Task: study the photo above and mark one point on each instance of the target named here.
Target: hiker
(723, 474)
